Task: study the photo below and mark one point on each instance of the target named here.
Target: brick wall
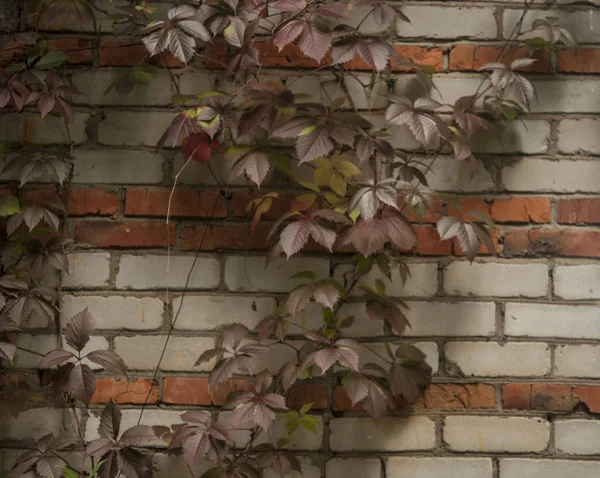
(513, 339)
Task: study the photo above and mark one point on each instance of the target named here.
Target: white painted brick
(523, 136)
(488, 359)
(142, 352)
(87, 270)
(93, 83)
(454, 319)
(169, 466)
(210, 312)
(362, 325)
(369, 26)
(195, 173)
(493, 279)
(579, 136)
(447, 22)
(49, 130)
(362, 98)
(346, 467)
(401, 467)
(250, 274)
(421, 283)
(496, 434)
(150, 272)
(578, 361)
(585, 24)
(45, 343)
(577, 437)
(449, 89)
(539, 175)
(143, 128)
(549, 320)
(447, 175)
(302, 439)
(193, 82)
(387, 434)
(377, 350)
(399, 136)
(527, 468)
(116, 312)
(553, 96)
(566, 96)
(34, 424)
(577, 282)
(130, 417)
(117, 166)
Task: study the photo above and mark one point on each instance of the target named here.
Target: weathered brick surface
(511, 338)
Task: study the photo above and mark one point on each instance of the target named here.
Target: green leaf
(305, 408)
(310, 275)
(213, 473)
(329, 333)
(308, 422)
(142, 77)
(9, 205)
(328, 316)
(380, 286)
(292, 425)
(179, 99)
(51, 60)
(281, 162)
(363, 267)
(311, 186)
(430, 70)
(69, 473)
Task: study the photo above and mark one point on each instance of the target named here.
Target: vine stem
(174, 322)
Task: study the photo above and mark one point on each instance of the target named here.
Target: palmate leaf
(295, 235)
(372, 395)
(81, 383)
(177, 34)
(110, 361)
(369, 236)
(504, 79)
(198, 438)
(254, 165)
(78, 329)
(7, 351)
(369, 200)
(325, 293)
(468, 234)
(423, 125)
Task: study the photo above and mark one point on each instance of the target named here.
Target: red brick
(92, 201)
(579, 211)
(241, 199)
(582, 60)
(237, 237)
(187, 391)
(483, 250)
(143, 202)
(516, 396)
(125, 234)
(197, 391)
(78, 50)
(569, 243)
(130, 52)
(221, 392)
(458, 396)
(122, 391)
(555, 397)
(473, 57)
(521, 210)
(429, 244)
(589, 396)
(292, 57)
(341, 401)
(307, 393)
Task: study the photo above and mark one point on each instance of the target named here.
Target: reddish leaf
(198, 146)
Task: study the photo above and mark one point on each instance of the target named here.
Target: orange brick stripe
(551, 397)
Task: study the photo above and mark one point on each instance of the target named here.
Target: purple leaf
(54, 358)
(78, 330)
(81, 383)
(110, 361)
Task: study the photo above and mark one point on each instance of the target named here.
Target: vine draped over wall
(355, 184)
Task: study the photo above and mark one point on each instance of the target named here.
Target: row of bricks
(156, 234)
(186, 203)
(474, 434)
(460, 279)
(461, 359)
(143, 128)
(168, 465)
